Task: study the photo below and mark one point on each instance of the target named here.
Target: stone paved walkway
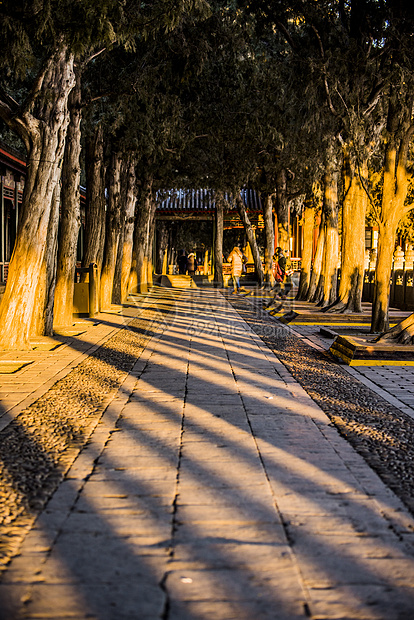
(214, 488)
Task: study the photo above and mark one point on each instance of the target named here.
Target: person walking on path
(191, 264)
(288, 274)
(279, 273)
(182, 263)
(279, 266)
(236, 259)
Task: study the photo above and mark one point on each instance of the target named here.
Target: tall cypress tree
(40, 42)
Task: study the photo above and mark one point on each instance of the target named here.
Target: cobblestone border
(378, 430)
(39, 446)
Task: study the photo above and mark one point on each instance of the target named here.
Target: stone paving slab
(212, 491)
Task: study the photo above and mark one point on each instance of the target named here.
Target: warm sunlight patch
(46, 346)
(69, 332)
(8, 367)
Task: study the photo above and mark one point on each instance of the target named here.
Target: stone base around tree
(361, 350)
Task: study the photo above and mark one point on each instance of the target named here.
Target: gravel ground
(380, 432)
(39, 446)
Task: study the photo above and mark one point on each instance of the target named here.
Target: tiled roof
(202, 200)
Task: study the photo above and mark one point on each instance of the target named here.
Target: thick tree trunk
(318, 295)
(131, 202)
(70, 213)
(386, 242)
(112, 233)
(149, 248)
(138, 277)
(42, 318)
(241, 209)
(331, 254)
(392, 209)
(218, 241)
(306, 261)
(162, 247)
(282, 210)
(395, 187)
(270, 239)
(95, 202)
(127, 206)
(44, 129)
(116, 290)
(172, 252)
(316, 275)
(353, 242)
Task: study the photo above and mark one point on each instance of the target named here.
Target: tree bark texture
(162, 246)
(131, 203)
(282, 210)
(218, 241)
(70, 212)
(385, 249)
(270, 239)
(127, 206)
(395, 186)
(138, 277)
(318, 295)
(43, 126)
(241, 209)
(316, 275)
(330, 207)
(42, 318)
(95, 216)
(307, 251)
(116, 289)
(353, 241)
(149, 248)
(113, 218)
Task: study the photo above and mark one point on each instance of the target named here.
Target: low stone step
(362, 351)
(178, 281)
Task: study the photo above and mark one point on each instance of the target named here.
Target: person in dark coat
(182, 263)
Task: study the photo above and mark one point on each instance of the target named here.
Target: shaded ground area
(211, 487)
(380, 432)
(38, 447)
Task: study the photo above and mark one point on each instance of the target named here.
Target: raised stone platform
(353, 342)
(362, 351)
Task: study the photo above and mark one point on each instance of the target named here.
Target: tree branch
(294, 195)
(286, 33)
(37, 85)
(85, 103)
(92, 56)
(368, 193)
(373, 98)
(9, 102)
(325, 79)
(10, 113)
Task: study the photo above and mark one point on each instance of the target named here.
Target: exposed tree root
(403, 333)
(340, 307)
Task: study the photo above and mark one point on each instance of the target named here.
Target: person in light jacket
(191, 263)
(236, 259)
